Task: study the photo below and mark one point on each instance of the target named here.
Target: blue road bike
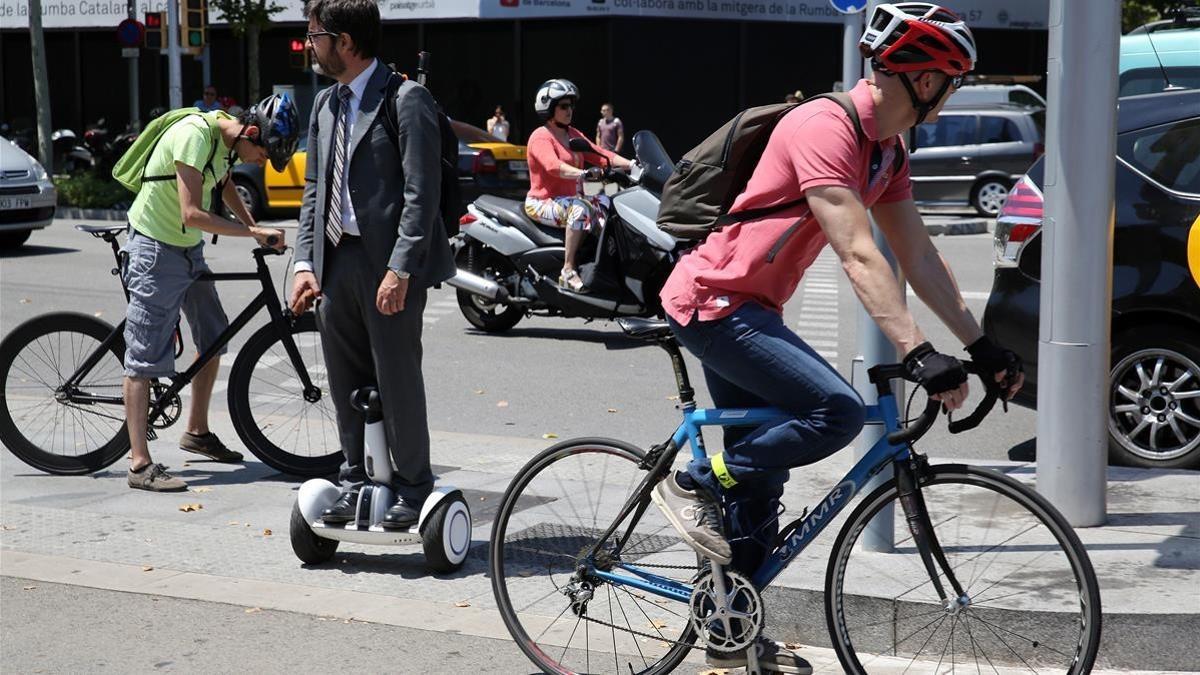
(983, 574)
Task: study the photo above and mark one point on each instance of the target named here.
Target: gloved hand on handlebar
(593, 173)
(991, 358)
(942, 375)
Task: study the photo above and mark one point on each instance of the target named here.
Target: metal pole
(1076, 296)
(174, 76)
(135, 118)
(873, 346)
(206, 66)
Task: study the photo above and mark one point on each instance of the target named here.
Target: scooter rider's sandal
(570, 280)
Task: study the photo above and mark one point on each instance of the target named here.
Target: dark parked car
(974, 154)
(1154, 416)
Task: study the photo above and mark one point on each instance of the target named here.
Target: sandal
(570, 280)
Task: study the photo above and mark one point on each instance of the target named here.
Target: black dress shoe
(343, 510)
(401, 516)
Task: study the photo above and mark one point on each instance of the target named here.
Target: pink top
(545, 154)
(763, 260)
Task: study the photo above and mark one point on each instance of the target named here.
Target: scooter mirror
(579, 145)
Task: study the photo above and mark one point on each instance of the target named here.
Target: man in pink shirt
(724, 299)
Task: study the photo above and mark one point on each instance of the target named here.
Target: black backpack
(451, 201)
(697, 197)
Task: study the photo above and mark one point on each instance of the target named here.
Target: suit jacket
(395, 191)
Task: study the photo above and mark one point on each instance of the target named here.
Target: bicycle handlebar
(923, 423)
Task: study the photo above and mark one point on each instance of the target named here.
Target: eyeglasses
(566, 105)
(956, 81)
(309, 37)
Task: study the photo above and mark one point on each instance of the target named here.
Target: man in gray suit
(370, 244)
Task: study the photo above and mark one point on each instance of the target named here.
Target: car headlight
(39, 172)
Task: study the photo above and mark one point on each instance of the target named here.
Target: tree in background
(41, 84)
(1137, 12)
(248, 18)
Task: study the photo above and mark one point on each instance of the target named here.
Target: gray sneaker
(772, 657)
(697, 517)
(154, 477)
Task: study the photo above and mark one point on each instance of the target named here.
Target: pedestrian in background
(370, 243)
(610, 133)
(497, 125)
(208, 100)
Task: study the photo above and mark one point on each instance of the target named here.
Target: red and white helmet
(915, 36)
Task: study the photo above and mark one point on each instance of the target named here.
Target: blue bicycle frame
(881, 455)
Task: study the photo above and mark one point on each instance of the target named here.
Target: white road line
(967, 295)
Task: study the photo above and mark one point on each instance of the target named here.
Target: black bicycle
(62, 409)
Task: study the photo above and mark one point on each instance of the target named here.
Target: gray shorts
(162, 280)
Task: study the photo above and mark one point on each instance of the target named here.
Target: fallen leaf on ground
(202, 489)
(254, 610)
(462, 603)
(233, 522)
(658, 624)
(147, 568)
(715, 671)
(501, 404)
(247, 524)
(664, 645)
(672, 398)
(25, 301)
(28, 588)
(479, 391)
(793, 645)
(266, 533)
(98, 314)
(6, 528)
(187, 508)
(549, 436)
(612, 410)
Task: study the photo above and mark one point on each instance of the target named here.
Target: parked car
(1154, 416)
(27, 196)
(1170, 48)
(985, 94)
(485, 164)
(973, 154)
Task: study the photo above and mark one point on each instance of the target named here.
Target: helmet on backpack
(916, 36)
(550, 93)
(278, 127)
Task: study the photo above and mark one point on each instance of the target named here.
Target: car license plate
(518, 166)
(13, 203)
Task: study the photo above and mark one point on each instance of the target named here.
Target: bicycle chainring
(729, 626)
(170, 408)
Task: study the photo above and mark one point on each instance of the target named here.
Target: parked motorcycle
(508, 264)
(105, 150)
(70, 155)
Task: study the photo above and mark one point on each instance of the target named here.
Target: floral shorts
(565, 212)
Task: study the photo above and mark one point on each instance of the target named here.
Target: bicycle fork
(908, 477)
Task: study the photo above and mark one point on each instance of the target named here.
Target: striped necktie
(333, 224)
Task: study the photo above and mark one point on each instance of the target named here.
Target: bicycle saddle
(102, 230)
(651, 330)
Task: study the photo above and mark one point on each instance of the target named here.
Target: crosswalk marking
(818, 325)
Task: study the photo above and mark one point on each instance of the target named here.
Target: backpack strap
(843, 99)
(390, 123)
(208, 166)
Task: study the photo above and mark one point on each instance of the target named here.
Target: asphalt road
(556, 376)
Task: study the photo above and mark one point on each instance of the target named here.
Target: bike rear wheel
(39, 423)
(1033, 600)
(554, 511)
(270, 412)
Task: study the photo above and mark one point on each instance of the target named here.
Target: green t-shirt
(155, 210)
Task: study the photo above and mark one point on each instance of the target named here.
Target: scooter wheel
(446, 536)
(309, 548)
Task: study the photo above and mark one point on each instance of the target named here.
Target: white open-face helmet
(550, 93)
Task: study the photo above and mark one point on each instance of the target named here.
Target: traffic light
(297, 54)
(193, 33)
(156, 31)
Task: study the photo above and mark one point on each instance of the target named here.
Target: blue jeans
(751, 359)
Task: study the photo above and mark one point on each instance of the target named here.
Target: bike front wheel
(289, 431)
(46, 426)
(565, 618)
(1031, 601)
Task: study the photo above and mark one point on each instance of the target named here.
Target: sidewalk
(94, 531)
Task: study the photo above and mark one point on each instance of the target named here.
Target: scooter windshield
(656, 163)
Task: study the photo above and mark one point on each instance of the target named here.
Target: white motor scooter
(443, 529)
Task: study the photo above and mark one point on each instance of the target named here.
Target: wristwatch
(400, 274)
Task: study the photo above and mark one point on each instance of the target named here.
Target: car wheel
(14, 239)
(1154, 405)
(988, 196)
(249, 195)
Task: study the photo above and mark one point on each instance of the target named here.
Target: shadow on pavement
(31, 250)
(403, 565)
(613, 339)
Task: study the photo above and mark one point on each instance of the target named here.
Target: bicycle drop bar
(919, 427)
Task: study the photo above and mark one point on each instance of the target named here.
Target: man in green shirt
(165, 260)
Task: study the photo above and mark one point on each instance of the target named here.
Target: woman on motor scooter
(555, 170)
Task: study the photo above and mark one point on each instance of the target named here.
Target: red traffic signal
(155, 37)
(154, 19)
(297, 54)
(297, 46)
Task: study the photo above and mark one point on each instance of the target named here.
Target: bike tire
(986, 620)
(515, 500)
(59, 342)
(257, 417)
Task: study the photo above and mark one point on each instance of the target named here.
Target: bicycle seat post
(687, 395)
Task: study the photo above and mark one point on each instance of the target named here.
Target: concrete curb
(72, 212)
